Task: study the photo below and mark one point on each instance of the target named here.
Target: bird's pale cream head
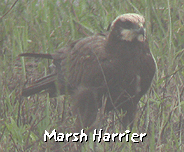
(129, 27)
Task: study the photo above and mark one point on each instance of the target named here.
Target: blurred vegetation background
(45, 26)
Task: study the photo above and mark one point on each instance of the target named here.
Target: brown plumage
(117, 65)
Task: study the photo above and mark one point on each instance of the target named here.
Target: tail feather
(47, 82)
(40, 55)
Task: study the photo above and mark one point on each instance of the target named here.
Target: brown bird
(117, 65)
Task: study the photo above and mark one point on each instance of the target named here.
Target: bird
(117, 65)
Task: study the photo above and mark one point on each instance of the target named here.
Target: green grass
(45, 26)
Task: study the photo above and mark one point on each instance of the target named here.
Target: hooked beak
(140, 34)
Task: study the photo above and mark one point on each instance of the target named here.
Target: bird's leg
(85, 107)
